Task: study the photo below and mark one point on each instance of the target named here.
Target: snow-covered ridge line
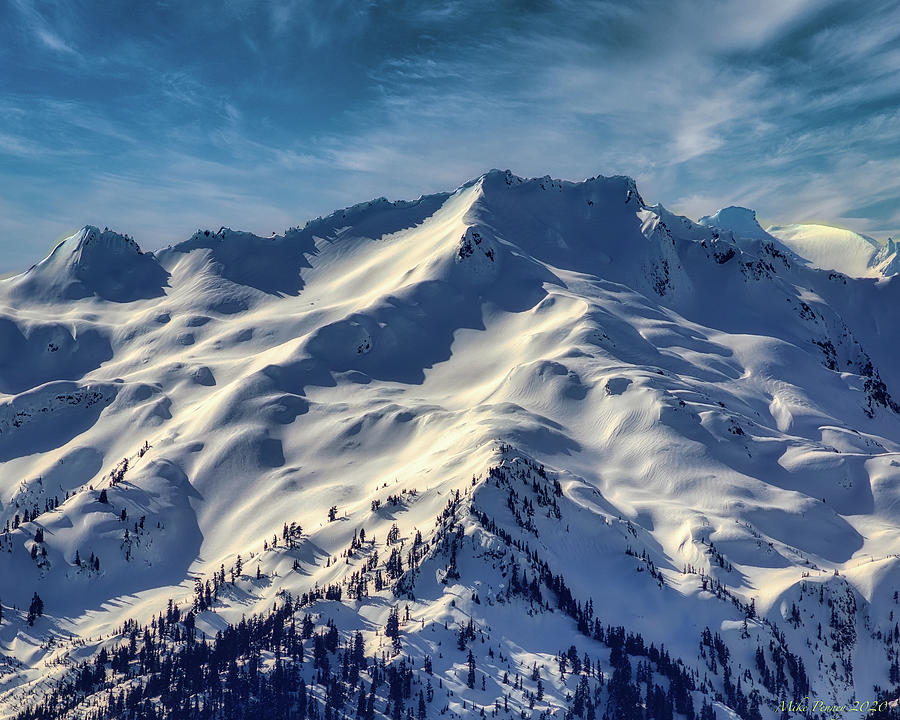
(827, 248)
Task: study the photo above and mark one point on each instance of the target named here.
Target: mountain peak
(739, 220)
(93, 262)
(887, 259)
(91, 245)
(495, 177)
(500, 179)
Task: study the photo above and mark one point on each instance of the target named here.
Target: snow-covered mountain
(832, 248)
(528, 448)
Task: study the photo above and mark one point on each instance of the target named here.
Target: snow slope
(691, 427)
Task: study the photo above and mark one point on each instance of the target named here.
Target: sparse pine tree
(392, 628)
(35, 609)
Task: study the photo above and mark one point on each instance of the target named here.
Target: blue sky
(159, 118)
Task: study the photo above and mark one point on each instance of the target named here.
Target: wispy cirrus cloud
(41, 28)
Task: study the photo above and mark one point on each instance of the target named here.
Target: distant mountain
(740, 221)
(832, 248)
(530, 448)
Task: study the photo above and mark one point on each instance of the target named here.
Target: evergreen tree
(422, 711)
(35, 609)
(392, 628)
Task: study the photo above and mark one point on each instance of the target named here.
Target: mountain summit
(738, 220)
(529, 448)
(92, 262)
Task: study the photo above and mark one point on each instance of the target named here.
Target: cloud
(53, 41)
(42, 29)
(18, 146)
